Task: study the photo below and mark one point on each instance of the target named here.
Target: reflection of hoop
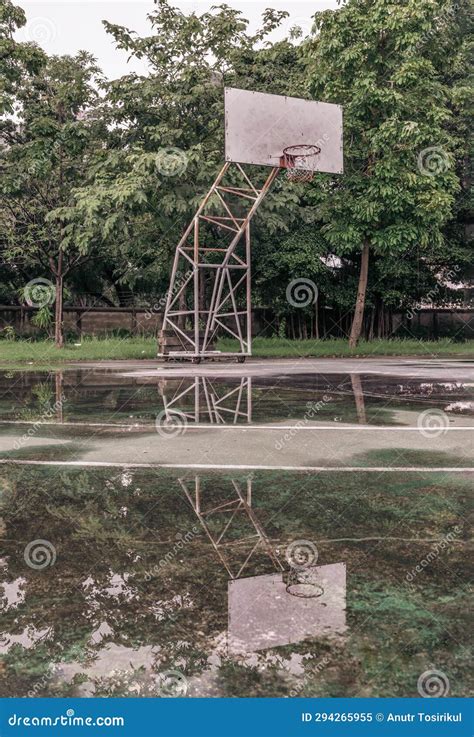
(298, 161)
(298, 583)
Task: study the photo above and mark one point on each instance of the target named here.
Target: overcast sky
(65, 26)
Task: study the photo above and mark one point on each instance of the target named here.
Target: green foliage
(165, 136)
(47, 156)
(17, 60)
(8, 332)
(49, 143)
(43, 318)
(100, 177)
(403, 146)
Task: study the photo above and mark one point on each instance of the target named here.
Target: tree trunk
(58, 316)
(361, 293)
(356, 382)
(372, 323)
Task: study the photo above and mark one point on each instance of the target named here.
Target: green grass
(24, 352)
(335, 348)
(43, 352)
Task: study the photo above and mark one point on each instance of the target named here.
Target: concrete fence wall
(439, 322)
(96, 321)
(85, 321)
(102, 320)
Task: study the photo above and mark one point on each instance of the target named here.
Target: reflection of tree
(105, 547)
(38, 401)
(112, 529)
(356, 382)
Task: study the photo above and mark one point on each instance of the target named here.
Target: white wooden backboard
(259, 126)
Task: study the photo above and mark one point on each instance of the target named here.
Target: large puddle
(108, 397)
(264, 584)
(179, 571)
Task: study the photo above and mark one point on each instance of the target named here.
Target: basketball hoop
(299, 583)
(299, 162)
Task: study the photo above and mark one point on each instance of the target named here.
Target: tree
(165, 139)
(399, 184)
(452, 54)
(49, 144)
(17, 60)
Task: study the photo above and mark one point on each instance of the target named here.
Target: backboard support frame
(188, 330)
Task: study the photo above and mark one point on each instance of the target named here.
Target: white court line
(203, 426)
(243, 467)
(72, 424)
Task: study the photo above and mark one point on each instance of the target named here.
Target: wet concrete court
(161, 520)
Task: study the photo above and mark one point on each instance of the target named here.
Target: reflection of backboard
(259, 126)
(262, 614)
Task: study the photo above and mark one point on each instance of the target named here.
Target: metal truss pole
(237, 506)
(189, 329)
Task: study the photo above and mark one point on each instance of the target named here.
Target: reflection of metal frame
(207, 402)
(183, 336)
(231, 508)
(262, 612)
